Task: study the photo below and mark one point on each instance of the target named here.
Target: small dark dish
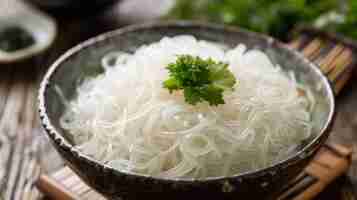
(72, 7)
(41, 28)
(265, 183)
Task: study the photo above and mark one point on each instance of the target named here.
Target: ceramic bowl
(265, 183)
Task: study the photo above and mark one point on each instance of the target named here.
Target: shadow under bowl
(84, 60)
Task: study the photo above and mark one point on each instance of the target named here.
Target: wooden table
(19, 125)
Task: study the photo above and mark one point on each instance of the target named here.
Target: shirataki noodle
(126, 119)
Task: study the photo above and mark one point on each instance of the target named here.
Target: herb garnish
(200, 79)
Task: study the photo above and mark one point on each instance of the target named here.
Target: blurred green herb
(200, 80)
(274, 17)
(347, 25)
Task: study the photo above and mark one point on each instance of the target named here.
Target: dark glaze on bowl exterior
(259, 184)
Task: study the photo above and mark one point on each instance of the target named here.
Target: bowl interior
(84, 61)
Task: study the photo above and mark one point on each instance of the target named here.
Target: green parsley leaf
(200, 79)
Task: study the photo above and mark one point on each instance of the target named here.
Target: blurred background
(68, 22)
(274, 17)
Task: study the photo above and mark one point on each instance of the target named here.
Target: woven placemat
(336, 58)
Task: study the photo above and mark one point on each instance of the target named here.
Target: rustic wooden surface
(19, 124)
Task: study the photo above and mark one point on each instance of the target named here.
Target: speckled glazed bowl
(83, 60)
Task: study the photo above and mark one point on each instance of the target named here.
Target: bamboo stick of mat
(336, 62)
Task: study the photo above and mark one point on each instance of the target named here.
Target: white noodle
(126, 119)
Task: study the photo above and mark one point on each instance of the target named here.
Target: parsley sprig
(200, 79)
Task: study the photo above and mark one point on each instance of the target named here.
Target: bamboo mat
(19, 150)
(336, 59)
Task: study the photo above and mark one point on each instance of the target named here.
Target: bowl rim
(61, 142)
